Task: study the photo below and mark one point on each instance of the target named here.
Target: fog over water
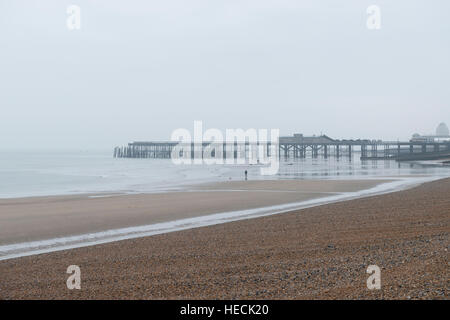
(34, 173)
(139, 69)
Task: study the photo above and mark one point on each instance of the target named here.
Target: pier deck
(300, 147)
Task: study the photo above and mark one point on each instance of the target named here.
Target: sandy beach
(320, 252)
(39, 218)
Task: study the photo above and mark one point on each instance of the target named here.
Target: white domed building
(442, 130)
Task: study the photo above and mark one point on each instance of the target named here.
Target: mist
(138, 70)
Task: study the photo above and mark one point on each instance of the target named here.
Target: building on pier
(442, 135)
(299, 138)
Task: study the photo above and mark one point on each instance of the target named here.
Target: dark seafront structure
(299, 146)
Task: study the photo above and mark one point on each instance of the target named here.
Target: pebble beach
(316, 253)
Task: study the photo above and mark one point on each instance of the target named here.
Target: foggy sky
(137, 70)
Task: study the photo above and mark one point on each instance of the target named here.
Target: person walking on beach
(245, 175)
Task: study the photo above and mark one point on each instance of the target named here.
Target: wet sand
(316, 253)
(39, 218)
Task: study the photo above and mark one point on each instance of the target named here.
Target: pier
(299, 146)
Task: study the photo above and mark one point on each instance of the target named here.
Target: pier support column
(315, 151)
(374, 152)
(363, 151)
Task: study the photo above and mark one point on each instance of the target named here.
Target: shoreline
(45, 245)
(320, 252)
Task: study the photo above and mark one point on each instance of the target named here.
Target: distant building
(442, 134)
(442, 130)
(300, 138)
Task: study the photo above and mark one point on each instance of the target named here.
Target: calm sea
(24, 174)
